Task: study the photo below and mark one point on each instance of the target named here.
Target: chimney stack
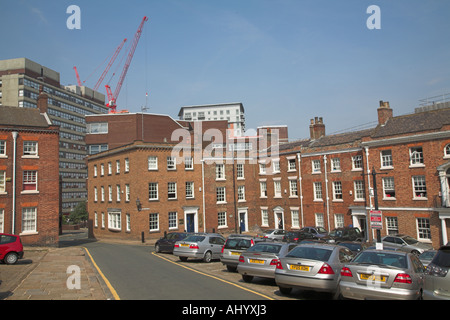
(316, 128)
(42, 100)
(384, 112)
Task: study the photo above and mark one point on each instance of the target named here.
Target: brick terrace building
(29, 175)
(320, 181)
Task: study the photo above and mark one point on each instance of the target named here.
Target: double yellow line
(116, 296)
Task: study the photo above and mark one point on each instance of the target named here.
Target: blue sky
(287, 61)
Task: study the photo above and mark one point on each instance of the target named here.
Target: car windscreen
(351, 246)
(194, 238)
(310, 253)
(410, 240)
(238, 244)
(382, 258)
(270, 248)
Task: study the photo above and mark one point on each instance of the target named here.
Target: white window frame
(419, 186)
(172, 190)
(153, 222)
(152, 189)
(222, 219)
(172, 220)
(220, 171)
(318, 194)
(388, 187)
(241, 193)
(335, 165)
(263, 189)
(315, 166)
(416, 157)
(152, 163)
(29, 220)
(293, 188)
(264, 217)
(386, 159)
(30, 149)
(114, 220)
(171, 163)
(277, 189)
(359, 190)
(338, 194)
(221, 195)
(189, 189)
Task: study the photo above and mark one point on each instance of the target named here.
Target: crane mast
(112, 98)
(113, 58)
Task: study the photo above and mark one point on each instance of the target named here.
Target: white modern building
(232, 112)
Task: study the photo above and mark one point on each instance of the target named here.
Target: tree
(79, 213)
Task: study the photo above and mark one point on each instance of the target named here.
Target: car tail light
(193, 246)
(326, 269)
(296, 239)
(403, 278)
(279, 265)
(223, 248)
(252, 242)
(176, 245)
(345, 272)
(241, 259)
(274, 262)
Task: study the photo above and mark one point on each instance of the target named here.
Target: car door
(216, 246)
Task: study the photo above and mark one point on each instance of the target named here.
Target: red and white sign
(376, 219)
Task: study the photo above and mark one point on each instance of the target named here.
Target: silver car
(406, 243)
(381, 275)
(312, 267)
(206, 246)
(427, 256)
(437, 276)
(261, 259)
(233, 248)
(273, 234)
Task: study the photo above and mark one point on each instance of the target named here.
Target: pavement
(55, 273)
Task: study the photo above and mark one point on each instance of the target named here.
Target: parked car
(427, 256)
(273, 234)
(261, 259)
(345, 234)
(355, 246)
(406, 243)
(317, 232)
(383, 274)
(11, 249)
(296, 236)
(232, 249)
(437, 276)
(206, 246)
(312, 267)
(166, 243)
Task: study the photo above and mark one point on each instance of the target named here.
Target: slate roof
(416, 122)
(22, 117)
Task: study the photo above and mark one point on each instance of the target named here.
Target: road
(137, 274)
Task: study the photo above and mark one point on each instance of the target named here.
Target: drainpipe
(13, 228)
(370, 196)
(326, 191)
(300, 186)
(203, 194)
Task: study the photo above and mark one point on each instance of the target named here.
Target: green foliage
(79, 214)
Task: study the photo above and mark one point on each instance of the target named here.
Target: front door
(190, 222)
(243, 221)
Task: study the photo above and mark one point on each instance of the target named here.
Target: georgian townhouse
(410, 155)
(30, 202)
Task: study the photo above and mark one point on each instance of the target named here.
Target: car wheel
(285, 290)
(416, 253)
(231, 268)
(157, 248)
(247, 278)
(207, 257)
(183, 259)
(11, 258)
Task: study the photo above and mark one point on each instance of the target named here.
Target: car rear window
(442, 257)
(194, 239)
(4, 239)
(271, 248)
(303, 252)
(382, 258)
(238, 244)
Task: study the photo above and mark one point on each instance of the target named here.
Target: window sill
(30, 192)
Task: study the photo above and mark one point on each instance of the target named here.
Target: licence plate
(299, 268)
(233, 253)
(256, 261)
(184, 245)
(372, 277)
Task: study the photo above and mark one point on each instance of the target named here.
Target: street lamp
(138, 204)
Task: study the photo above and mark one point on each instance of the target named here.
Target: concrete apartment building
(20, 81)
(29, 175)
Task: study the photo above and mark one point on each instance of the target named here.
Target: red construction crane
(112, 98)
(78, 76)
(113, 58)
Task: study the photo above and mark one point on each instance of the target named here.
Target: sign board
(376, 219)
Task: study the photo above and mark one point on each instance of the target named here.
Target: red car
(11, 248)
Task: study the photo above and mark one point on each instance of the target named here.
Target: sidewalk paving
(52, 280)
